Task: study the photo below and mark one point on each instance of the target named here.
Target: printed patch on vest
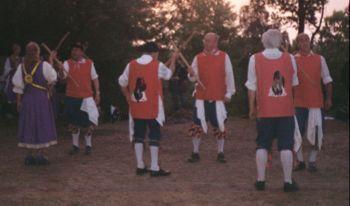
(139, 94)
(277, 88)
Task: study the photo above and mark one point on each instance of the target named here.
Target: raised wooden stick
(183, 46)
(187, 63)
(61, 41)
(58, 61)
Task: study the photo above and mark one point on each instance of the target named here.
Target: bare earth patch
(107, 176)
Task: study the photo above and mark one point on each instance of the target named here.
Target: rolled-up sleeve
(295, 69)
(66, 68)
(93, 72)
(326, 77)
(164, 72)
(195, 70)
(17, 81)
(230, 81)
(123, 79)
(50, 73)
(251, 76)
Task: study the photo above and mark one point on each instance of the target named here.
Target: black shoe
(74, 150)
(290, 187)
(221, 158)
(312, 167)
(194, 158)
(260, 185)
(29, 160)
(160, 173)
(41, 160)
(88, 150)
(300, 167)
(141, 172)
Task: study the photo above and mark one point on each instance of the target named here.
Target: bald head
(303, 41)
(210, 41)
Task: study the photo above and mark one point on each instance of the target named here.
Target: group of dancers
(284, 91)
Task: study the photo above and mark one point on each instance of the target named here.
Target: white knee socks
(75, 138)
(139, 155)
(221, 143)
(300, 156)
(261, 160)
(88, 140)
(196, 142)
(287, 164)
(154, 158)
(313, 155)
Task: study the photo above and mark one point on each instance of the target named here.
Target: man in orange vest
(271, 77)
(308, 98)
(213, 69)
(82, 96)
(141, 84)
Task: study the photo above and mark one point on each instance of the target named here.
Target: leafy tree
(300, 12)
(334, 45)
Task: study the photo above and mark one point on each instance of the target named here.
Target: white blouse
(49, 73)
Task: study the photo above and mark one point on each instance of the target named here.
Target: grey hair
(271, 39)
(33, 44)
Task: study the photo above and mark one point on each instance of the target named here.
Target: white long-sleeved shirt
(7, 69)
(49, 73)
(82, 61)
(230, 82)
(251, 82)
(325, 75)
(163, 73)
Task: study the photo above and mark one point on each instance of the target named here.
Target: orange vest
(81, 73)
(211, 71)
(274, 86)
(145, 88)
(308, 93)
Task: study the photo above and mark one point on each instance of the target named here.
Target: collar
(144, 59)
(270, 51)
(308, 55)
(213, 52)
(81, 61)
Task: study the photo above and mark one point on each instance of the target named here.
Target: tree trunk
(319, 25)
(301, 16)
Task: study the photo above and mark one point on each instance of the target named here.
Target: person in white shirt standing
(141, 84)
(212, 69)
(271, 78)
(82, 96)
(308, 98)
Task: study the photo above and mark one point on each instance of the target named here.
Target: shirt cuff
(229, 95)
(327, 80)
(122, 83)
(250, 86)
(17, 90)
(295, 82)
(192, 78)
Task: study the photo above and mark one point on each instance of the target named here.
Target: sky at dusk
(330, 7)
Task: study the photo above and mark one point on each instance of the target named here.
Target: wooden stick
(183, 46)
(58, 61)
(187, 63)
(61, 41)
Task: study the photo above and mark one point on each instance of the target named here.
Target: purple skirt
(37, 127)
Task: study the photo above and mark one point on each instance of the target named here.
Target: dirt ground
(107, 176)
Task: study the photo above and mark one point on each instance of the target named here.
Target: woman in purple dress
(37, 128)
